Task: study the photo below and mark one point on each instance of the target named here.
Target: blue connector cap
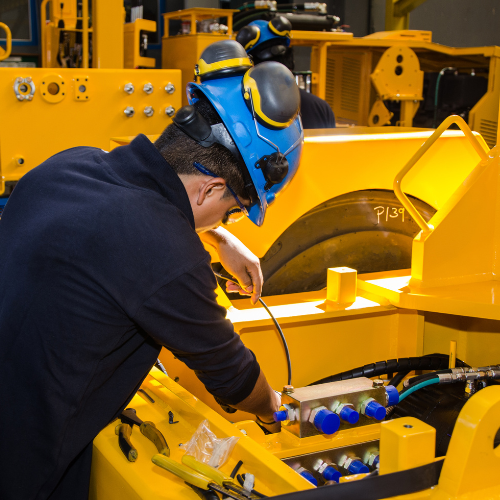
(349, 415)
(376, 462)
(358, 467)
(326, 421)
(392, 395)
(331, 474)
(280, 416)
(375, 410)
(307, 475)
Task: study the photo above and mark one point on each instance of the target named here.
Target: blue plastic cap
(280, 416)
(349, 415)
(331, 474)
(326, 421)
(307, 475)
(376, 462)
(375, 410)
(392, 395)
(357, 467)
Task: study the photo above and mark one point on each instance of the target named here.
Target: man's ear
(215, 186)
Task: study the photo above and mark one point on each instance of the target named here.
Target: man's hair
(181, 152)
(286, 59)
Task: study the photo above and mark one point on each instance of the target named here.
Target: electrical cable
(237, 467)
(241, 480)
(280, 331)
(425, 383)
(436, 93)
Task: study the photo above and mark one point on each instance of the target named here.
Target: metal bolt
(148, 111)
(378, 383)
(20, 161)
(29, 97)
(129, 88)
(20, 97)
(19, 79)
(170, 88)
(288, 389)
(28, 80)
(129, 111)
(148, 88)
(170, 111)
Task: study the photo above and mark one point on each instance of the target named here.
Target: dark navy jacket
(99, 267)
(315, 112)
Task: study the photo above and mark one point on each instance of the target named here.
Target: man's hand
(238, 260)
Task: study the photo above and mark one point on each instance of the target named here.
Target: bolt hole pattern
(399, 59)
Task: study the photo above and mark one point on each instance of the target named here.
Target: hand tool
(193, 478)
(148, 429)
(216, 475)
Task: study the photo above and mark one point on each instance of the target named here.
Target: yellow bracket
(481, 150)
(4, 53)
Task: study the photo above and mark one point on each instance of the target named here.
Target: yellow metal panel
(71, 122)
(405, 443)
(107, 41)
(472, 464)
(132, 43)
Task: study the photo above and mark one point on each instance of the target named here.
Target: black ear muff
(248, 36)
(280, 26)
(189, 120)
(274, 167)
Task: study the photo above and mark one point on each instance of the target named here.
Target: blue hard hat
(266, 39)
(260, 111)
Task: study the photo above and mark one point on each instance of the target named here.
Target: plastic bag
(207, 448)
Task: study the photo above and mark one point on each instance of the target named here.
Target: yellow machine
(365, 199)
(445, 303)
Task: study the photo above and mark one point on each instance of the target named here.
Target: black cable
(420, 378)
(237, 467)
(398, 378)
(241, 480)
(280, 331)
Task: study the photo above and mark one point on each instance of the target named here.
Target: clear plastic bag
(207, 448)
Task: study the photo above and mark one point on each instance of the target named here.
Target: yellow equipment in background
(4, 53)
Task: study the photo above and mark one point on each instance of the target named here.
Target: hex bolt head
(129, 88)
(20, 97)
(170, 111)
(29, 97)
(378, 383)
(129, 111)
(288, 389)
(28, 79)
(19, 80)
(148, 88)
(169, 88)
(148, 111)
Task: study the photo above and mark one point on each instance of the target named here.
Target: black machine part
(438, 406)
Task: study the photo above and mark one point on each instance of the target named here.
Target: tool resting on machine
(203, 476)
(148, 429)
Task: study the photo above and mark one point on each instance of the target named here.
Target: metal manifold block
(327, 408)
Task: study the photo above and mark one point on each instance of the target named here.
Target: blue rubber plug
(331, 474)
(280, 416)
(375, 410)
(392, 395)
(376, 462)
(307, 475)
(357, 467)
(349, 415)
(326, 421)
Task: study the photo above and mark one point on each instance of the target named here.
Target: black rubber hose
(428, 362)
(420, 378)
(398, 378)
(241, 480)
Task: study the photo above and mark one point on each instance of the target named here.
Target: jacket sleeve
(184, 317)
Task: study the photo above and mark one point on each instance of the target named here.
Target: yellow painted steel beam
(397, 13)
(107, 41)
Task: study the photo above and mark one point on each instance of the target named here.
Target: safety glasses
(234, 214)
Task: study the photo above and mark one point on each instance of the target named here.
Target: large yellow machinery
(445, 303)
(419, 207)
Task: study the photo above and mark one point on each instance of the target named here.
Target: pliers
(203, 476)
(124, 431)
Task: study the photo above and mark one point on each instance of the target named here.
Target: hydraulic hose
(428, 362)
(403, 394)
(280, 331)
(436, 92)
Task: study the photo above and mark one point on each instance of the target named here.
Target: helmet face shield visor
(263, 130)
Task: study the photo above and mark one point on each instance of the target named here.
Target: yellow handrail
(8, 45)
(480, 149)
